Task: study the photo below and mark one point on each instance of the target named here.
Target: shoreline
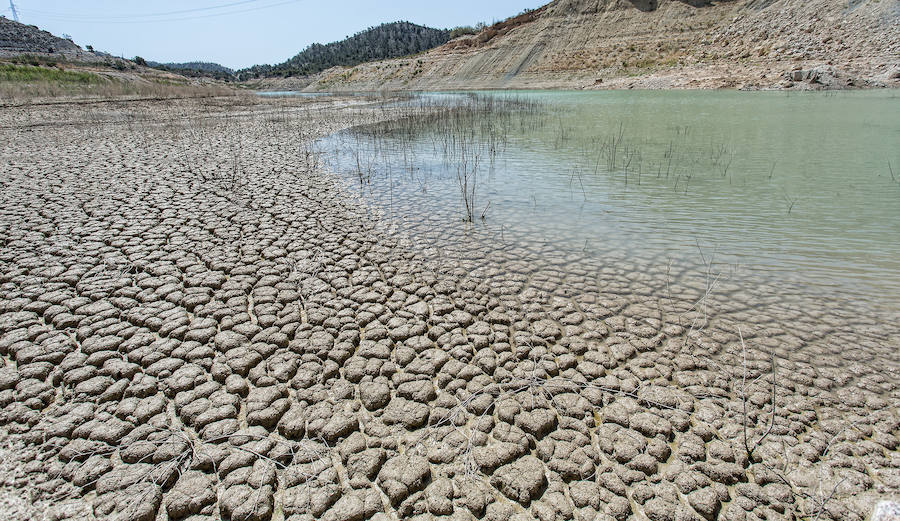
(789, 76)
(189, 296)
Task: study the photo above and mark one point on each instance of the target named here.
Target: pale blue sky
(239, 33)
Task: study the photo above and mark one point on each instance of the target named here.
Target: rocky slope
(36, 64)
(658, 44)
(16, 38)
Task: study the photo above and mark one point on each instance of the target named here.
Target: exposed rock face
(655, 44)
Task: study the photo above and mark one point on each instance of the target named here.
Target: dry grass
(16, 93)
(11, 73)
(25, 83)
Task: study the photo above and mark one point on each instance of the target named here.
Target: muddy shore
(197, 321)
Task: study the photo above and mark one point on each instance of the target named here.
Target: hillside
(36, 64)
(28, 43)
(658, 44)
(17, 38)
(376, 43)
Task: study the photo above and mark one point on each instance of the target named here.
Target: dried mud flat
(198, 322)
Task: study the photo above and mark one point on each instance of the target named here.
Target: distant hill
(195, 69)
(391, 40)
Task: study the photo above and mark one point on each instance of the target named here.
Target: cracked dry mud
(197, 322)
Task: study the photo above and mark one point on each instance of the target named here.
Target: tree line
(391, 40)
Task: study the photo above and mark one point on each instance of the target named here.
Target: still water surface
(795, 187)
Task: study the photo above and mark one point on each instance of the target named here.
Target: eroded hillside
(658, 44)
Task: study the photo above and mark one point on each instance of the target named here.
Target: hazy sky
(239, 33)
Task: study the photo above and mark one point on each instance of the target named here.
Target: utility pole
(12, 8)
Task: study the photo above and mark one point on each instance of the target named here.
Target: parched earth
(198, 322)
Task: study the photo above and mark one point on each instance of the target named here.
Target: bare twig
(747, 445)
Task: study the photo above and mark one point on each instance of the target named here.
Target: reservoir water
(800, 188)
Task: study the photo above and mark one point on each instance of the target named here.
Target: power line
(134, 19)
(66, 18)
(143, 15)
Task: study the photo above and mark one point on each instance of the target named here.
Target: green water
(796, 187)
